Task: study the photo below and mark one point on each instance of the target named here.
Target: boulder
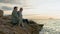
(30, 27)
(1, 13)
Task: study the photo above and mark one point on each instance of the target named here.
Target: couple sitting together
(17, 16)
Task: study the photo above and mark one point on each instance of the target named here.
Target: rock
(1, 13)
(30, 27)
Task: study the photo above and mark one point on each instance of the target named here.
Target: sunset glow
(50, 8)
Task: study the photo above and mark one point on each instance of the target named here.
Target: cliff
(7, 28)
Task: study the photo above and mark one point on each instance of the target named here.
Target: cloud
(10, 1)
(6, 8)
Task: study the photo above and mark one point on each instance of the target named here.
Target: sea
(51, 26)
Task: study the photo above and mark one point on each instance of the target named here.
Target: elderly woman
(15, 16)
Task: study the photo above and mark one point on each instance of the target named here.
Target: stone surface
(7, 28)
(1, 13)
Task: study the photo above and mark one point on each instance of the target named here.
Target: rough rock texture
(1, 13)
(7, 28)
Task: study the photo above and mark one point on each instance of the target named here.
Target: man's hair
(15, 7)
(21, 8)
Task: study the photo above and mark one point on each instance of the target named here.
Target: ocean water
(51, 26)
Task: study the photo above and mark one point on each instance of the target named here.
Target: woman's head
(15, 8)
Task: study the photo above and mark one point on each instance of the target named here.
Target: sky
(40, 7)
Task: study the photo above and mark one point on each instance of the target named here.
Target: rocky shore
(7, 28)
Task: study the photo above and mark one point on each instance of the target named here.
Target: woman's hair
(15, 7)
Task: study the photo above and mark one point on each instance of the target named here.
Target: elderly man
(20, 17)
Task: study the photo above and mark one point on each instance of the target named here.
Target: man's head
(21, 9)
(15, 8)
